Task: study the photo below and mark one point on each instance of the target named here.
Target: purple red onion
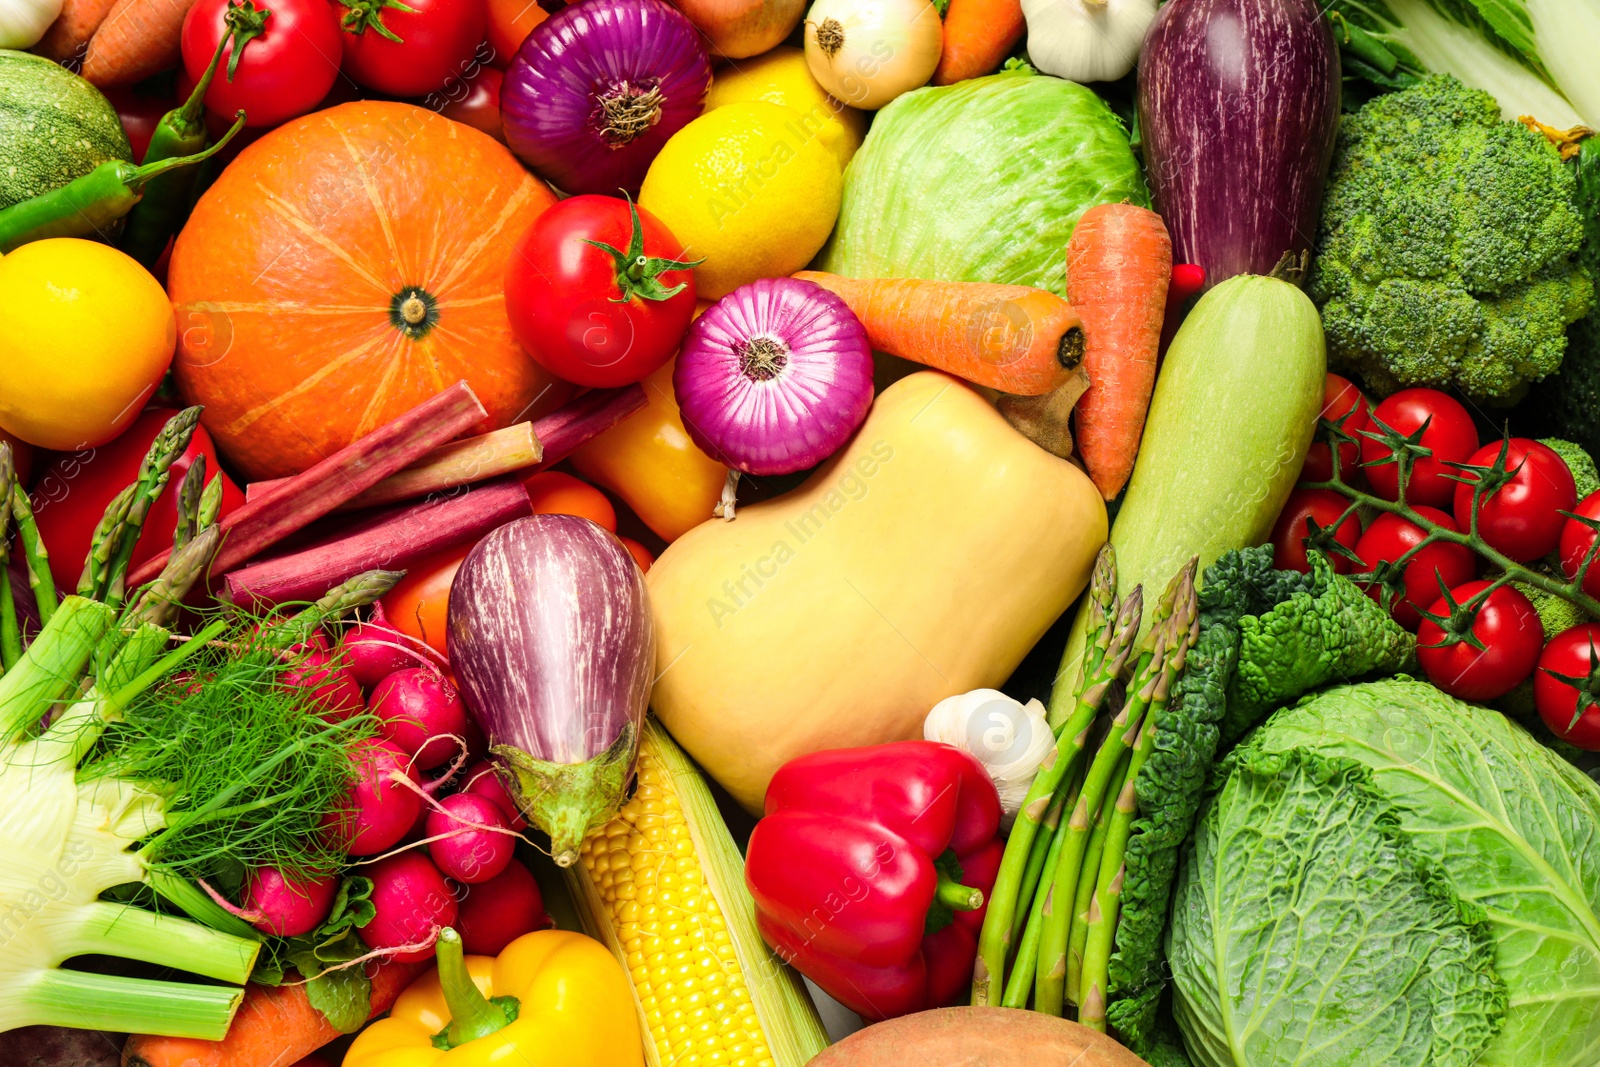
(599, 87)
(552, 643)
(774, 377)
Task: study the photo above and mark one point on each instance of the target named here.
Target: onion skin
(551, 100)
(800, 414)
(552, 644)
(739, 29)
(1238, 108)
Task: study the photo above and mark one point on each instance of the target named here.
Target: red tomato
(1523, 517)
(510, 22)
(1292, 531)
(476, 103)
(564, 296)
(73, 491)
(557, 493)
(1507, 627)
(641, 555)
(1571, 710)
(410, 49)
(1339, 396)
(1450, 434)
(1390, 537)
(283, 71)
(139, 112)
(1575, 541)
(419, 604)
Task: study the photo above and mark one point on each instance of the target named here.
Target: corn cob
(663, 885)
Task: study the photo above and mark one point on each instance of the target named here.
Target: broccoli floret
(1585, 476)
(1445, 256)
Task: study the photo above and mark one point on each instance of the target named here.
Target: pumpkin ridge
(378, 210)
(311, 381)
(289, 214)
(469, 255)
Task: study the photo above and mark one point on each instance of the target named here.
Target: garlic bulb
(867, 52)
(1086, 40)
(1009, 739)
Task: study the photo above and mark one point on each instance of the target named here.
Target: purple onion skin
(552, 644)
(551, 99)
(1238, 108)
(762, 421)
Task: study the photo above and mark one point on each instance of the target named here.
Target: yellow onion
(867, 52)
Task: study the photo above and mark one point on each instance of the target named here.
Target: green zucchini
(1233, 414)
(54, 127)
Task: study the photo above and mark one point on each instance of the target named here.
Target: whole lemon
(88, 335)
(748, 190)
(781, 76)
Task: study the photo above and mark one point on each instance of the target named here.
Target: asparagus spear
(170, 443)
(158, 603)
(1041, 847)
(994, 940)
(103, 543)
(1050, 982)
(1085, 889)
(10, 631)
(342, 599)
(210, 504)
(34, 555)
(1107, 899)
(194, 484)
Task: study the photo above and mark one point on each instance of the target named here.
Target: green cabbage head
(1385, 875)
(981, 181)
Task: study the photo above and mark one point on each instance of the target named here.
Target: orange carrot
(69, 34)
(137, 39)
(978, 35)
(1013, 338)
(275, 1027)
(1119, 262)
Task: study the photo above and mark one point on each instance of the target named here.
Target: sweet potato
(976, 1037)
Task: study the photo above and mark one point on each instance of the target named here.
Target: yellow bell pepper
(552, 998)
(649, 460)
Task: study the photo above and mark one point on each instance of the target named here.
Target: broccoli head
(1445, 256)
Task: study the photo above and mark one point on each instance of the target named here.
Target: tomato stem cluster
(1404, 451)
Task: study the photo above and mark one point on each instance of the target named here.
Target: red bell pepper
(870, 868)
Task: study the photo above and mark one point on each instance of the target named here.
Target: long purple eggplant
(1238, 107)
(551, 640)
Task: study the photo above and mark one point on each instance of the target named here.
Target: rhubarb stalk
(527, 445)
(389, 541)
(296, 502)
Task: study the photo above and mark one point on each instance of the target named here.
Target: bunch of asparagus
(1052, 916)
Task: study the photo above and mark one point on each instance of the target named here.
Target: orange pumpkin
(346, 267)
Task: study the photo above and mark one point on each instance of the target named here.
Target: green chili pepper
(90, 205)
(182, 132)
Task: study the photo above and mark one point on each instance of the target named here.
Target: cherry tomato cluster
(284, 58)
(1477, 637)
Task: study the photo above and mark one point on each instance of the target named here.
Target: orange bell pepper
(649, 461)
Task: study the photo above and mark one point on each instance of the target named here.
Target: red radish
(481, 778)
(374, 650)
(477, 849)
(275, 905)
(380, 809)
(332, 685)
(499, 911)
(411, 903)
(417, 704)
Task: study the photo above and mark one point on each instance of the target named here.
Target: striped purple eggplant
(552, 644)
(1238, 107)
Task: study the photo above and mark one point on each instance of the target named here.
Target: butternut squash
(922, 560)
